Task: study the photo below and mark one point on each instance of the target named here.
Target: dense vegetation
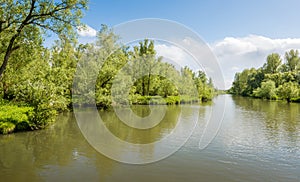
(36, 82)
(274, 80)
(140, 67)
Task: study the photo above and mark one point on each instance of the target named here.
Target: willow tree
(23, 22)
(292, 60)
(146, 62)
(273, 63)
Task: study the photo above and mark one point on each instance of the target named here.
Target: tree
(146, 65)
(267, 90)
(254, 80)
(292, 60)
(112, 56)
(288, 91)
(169, 81)
(23, 22)
(241, 82)
(187, 86)
(273, 63)
(63, 60)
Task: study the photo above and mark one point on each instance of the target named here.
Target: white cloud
(235, 68)
(253, 44)
(176, 56)
(237, 53)
(86, 31)
(171, 52)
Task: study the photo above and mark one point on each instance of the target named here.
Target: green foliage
(273, 81)
(23, 23)
(296, 100)
(246, 81)
(273, 63)
(137, 72)
(266, 91)
(7, 127)
(292, 60)
(16, 118)
(36, 82)
(158, 100)
(172, 100)
(43, 79)
(288, 91)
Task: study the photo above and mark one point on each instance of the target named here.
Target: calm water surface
(258, 141)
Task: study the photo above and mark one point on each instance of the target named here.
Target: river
(257, 141)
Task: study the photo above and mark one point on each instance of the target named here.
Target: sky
(240, 33)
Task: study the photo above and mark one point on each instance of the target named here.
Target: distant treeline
(275, 80)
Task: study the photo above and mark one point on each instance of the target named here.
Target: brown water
(258, 141)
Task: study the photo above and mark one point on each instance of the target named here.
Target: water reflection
(276, 115)
(54, 153)
(108, 135)
(61, 152)
(142, 136)
(258, 141)
(264, 132)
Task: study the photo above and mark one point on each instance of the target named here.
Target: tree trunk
(148, 86)
(7, 55)
(143, 86)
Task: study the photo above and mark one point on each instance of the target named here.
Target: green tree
(254, 80)
(102, 61)
(23, 22)
(246, 81)
(288, 91)
(266, 91)
(205, 87)
(273, 63)
(63, 60)
(168, 82)
(145, 64)
(292, 60)
(187, 86)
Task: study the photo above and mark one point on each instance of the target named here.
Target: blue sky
(240, 33)
(212, 19)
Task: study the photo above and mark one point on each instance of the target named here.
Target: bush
(296, 100)
(185, 99)
(6, 127)
(266, 91)
(22, 118)
(15, 118)
(43, 116)
(288, 91)
(171, 100)
(139, 99)
(158, 100)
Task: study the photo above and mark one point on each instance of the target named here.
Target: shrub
(7, 127)
(266, 91)
(296, 99)
(288, 91)
(171, 100)
(15, 118)
(21, 118)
